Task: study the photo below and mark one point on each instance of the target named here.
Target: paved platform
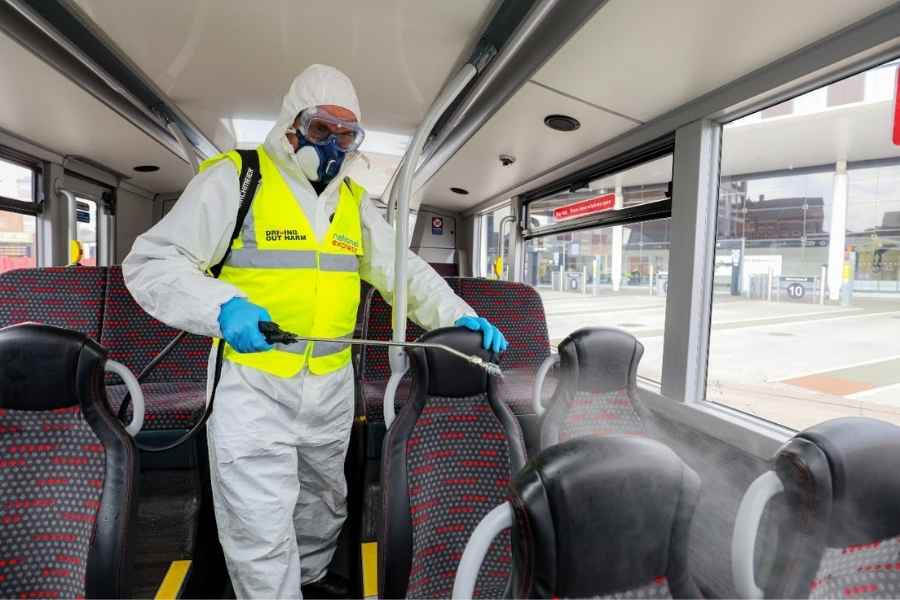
(793, 363)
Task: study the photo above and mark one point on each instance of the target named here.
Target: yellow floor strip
(370, 569)
(170, 588)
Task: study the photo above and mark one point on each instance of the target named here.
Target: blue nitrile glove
(239, 322)
(491, 339)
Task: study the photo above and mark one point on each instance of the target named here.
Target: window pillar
(837, 231)
(616, 266)
(690, 287)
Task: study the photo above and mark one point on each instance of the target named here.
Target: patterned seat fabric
(597, 394)
(67, 470)
(134, 338)
(95, 301)
(573, 538)
(844, 510)
(513, 307)
(517, 309)
(517, 386)
(448, 459)
(68, 297)
(175, 391)
(168, 405)
(374, 367)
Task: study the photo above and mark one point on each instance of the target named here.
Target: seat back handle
(134, 389)
(746, 528)
(500, 518)
(536, 401)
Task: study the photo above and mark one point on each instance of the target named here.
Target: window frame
(645, 153)
(35, 208)
(23, 207)
(857, 48)
(700, 400)
(481, 248)
(88, 189)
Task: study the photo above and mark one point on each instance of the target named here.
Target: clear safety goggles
(320, 127)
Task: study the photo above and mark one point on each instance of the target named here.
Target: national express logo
(342, 241)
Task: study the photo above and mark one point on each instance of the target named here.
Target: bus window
(806, 309)
(605, 275)
(490, 237)
(86, 225)
(18, 222)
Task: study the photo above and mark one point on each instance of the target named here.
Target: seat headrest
(862, 457)
(439, 373)
(42, 367)
(600, 359)
(595, 516)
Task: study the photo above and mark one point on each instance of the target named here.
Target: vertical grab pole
(403, 191)
(503, 222)
(71, 221)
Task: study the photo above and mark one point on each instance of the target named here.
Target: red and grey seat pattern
(597, 392)
(67, 297)
(67, 470)
(840, 492)
(587, 521)
(175, 391)
(448, 459)
(515, 308)
(95, 302)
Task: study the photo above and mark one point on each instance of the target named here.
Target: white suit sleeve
(431, 302)
(166, 268)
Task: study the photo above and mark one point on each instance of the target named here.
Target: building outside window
(806, 308)
(18, 247)
(605, 275)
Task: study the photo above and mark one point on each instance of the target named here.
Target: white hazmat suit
(277, 445)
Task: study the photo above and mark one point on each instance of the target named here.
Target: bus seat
(839, 491)
(67, 473)
(67, 297)
(517, 310)
(374, 370)
(597, 392)
(448, 458)
(597, 517)
(175, 391)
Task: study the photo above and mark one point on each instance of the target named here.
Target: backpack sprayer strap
(248, 180)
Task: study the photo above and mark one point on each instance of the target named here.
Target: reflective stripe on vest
(309, 286)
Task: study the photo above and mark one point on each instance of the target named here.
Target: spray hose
(275, 335)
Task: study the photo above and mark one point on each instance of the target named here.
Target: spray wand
(276, 335)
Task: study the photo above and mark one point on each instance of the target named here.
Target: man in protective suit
(279, 432)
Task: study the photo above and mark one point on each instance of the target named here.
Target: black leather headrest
(440, 373)
(44, 367)
(595, 516)
(600, 359)
(861, 457)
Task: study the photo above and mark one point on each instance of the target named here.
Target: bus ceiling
(535, 58)
(116, 58)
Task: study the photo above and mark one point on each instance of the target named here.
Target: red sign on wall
(585, 207)
(897, 109)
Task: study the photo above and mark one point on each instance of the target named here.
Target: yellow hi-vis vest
(309, 286)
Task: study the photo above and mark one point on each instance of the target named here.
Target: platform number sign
(437, 226)
(796, 291)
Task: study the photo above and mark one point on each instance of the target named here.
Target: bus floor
(166, 525)
(170, 527)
